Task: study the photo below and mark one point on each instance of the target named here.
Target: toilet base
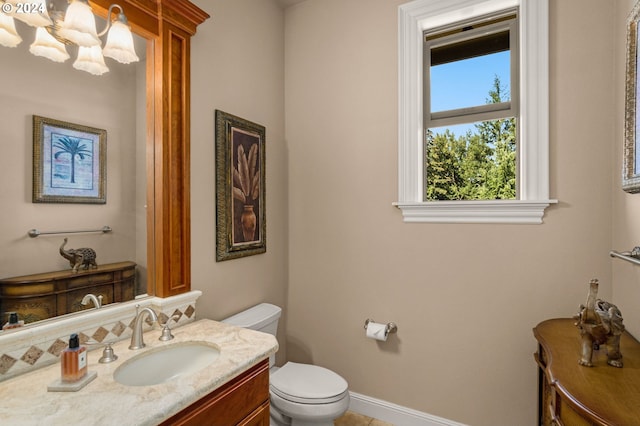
(306, 423)
(277, 418)
(281, 420)
(281, 411)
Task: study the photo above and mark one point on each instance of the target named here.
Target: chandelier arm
(103, 32)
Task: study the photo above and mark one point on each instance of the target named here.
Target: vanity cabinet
(242, 401)
(570, 394)
(41, 296)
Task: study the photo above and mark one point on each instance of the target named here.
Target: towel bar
(34, 232)
(632, 256)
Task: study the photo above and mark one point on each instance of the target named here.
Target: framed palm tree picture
(69, 162)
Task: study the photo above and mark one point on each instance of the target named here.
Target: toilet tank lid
(255, 317)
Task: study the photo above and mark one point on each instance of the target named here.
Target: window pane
(475, 161)
(466, 83)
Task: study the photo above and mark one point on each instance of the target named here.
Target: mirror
(168, 26)
(116, 102)
(631, 161)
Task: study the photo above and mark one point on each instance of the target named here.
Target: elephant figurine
(85, 257)
(600, 323)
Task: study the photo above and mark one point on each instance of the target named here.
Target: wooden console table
(573, 395)
(41, 296)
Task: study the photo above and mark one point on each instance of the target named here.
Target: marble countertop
(26, 401)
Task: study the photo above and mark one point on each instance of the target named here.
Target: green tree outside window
(480, 165)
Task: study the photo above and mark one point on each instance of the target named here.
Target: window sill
(499, 211)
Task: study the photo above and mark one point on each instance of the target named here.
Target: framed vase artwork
(631, 155)
(69, 162)
(240, 187)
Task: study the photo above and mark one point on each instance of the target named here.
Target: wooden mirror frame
(168, 26)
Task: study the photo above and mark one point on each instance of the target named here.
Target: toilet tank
(263, 317)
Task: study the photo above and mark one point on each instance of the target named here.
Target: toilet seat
(305, 414)
(308, 384)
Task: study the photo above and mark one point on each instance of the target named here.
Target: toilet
(301, 394)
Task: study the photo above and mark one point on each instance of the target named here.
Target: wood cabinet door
(260, 417)
(242, 401)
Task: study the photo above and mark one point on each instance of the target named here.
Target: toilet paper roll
(376, 331)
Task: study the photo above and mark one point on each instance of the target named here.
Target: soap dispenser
(73, 361)
(13, 322)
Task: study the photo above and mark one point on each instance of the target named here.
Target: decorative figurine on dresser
(600, 323)
(85, 257)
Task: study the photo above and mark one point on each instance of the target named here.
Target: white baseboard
(395, 414)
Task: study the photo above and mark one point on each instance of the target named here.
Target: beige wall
(36, 86)
(237, 66)
(465, 297)
(626, 207)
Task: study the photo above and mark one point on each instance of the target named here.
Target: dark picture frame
(631, 154)
(69, 162)
(241, 228)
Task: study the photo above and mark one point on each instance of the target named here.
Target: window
(458, 33)
(470, 110)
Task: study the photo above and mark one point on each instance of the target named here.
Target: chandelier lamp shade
(54, 30)
(79, 25)
(91, 60)
(36, 16)
(8, 35)
(47, 46)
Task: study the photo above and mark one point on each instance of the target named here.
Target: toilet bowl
(301, 394)
(308, 394)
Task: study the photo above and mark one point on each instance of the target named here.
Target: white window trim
(420, 15)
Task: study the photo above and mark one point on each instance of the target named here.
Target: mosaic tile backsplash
(37, 346)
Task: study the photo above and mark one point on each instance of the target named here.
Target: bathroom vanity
(573, 395)
(242, 401)
(233, 389)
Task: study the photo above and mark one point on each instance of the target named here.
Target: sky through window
(467, 83)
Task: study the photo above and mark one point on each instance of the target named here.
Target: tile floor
(355, 419)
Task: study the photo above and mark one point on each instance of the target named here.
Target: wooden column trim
(169, 25)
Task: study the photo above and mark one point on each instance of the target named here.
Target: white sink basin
(166, 363)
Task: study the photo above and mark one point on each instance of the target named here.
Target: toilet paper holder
(390, 328)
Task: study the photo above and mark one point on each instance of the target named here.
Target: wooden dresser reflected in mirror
(46, 295)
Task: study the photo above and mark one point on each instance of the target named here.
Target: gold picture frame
(241, 228)
(69, 162)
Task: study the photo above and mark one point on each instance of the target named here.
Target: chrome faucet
(97, 301)
(137, 341)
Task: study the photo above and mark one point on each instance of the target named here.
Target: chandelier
(55, 29)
